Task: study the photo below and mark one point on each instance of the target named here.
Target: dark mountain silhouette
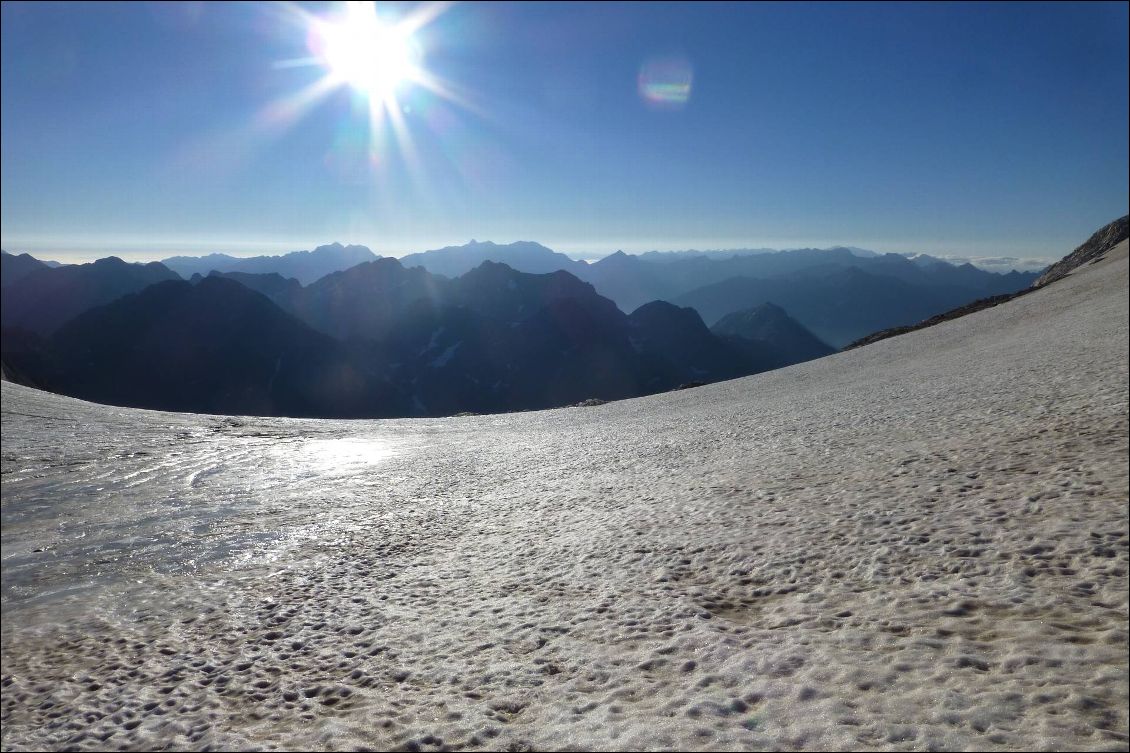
(23, 357)
(304, 266)
(775, 335)
(680, 349)
(213, 347)
(523, 256)
(544, 340)
(14, 268)
(283, 291)
(497, 339)
(367, 301)
(570, 351)
(372, 300)
(46, 298)
(555, 355)
(405, 343)
(492, 340)
(499, 291)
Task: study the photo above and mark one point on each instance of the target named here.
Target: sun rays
(359, 50)
(380, 61)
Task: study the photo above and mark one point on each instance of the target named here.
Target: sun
(361, 51)
(378, 58)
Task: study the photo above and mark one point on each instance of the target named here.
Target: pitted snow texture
(915, 545)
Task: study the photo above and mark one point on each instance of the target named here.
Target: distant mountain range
(806, 276)
(304, 266)
(729, 253)
(930, 285)
(523, 256)
(883, 291)
(838, 304)
(1092, 250)
(482, 327)
(376, 340)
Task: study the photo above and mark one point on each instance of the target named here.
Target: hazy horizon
(999, 264)
(152, 130)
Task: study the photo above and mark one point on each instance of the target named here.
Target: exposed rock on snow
(1104, 239)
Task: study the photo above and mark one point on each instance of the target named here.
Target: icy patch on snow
(345, 455)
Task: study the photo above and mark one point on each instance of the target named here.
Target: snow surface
(917, 544)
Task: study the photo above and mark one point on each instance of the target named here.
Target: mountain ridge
(404, 341)
(304, 266)
(48, 297)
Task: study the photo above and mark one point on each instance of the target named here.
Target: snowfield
(918, 544)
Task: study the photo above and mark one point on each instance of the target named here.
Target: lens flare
(665, 83)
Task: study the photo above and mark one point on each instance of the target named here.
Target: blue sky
(980, 130)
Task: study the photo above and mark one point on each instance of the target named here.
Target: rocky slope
(1104, 239)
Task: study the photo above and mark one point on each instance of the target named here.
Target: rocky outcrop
(1096, 246)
